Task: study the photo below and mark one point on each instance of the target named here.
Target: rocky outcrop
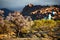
(27, 9)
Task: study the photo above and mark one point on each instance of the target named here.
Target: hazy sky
(20, 3)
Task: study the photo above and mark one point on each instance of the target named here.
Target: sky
(22, 3)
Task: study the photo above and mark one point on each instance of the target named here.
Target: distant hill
(6, 11)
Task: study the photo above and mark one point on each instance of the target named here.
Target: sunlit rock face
(33, 11)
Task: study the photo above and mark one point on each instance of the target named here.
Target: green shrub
(44, 24)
